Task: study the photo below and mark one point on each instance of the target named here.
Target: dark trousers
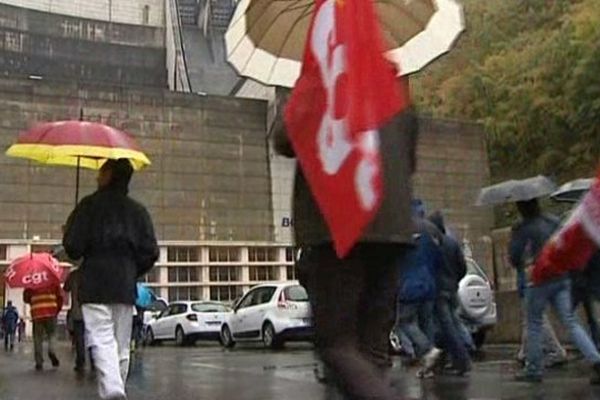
(584, 297)
(9, 337)
(45, 328)
(79, 339)
(449, 331)
(353, 304)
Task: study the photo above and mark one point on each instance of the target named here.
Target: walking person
(417, 288)
(45, 305)
(571, 248)
(72, 285)
(354, 297)
(527, 239)
(586, 292)
(555, 292)
(114, 236)
(10, 320)
(452, 270)
(21, 329)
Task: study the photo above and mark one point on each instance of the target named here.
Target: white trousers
(108, 333)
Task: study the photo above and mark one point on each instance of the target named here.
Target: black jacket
(455, 267)
(114, 236)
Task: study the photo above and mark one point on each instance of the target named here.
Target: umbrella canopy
(77, 143)
(34, 271)
(265, 39)
(571, 192)
(516, 190)
(145, 296)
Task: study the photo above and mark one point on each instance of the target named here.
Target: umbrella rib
(295, 5)
(409, 15)
(305, 14)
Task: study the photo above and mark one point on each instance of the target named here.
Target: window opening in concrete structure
(289, 254)
(224, 274)
(260, 273)
(151, 277)
(224, 254)
(183, 254)
(184, 293)
(146, 15)
(290, 272)
(225, 293)
(42, 248)
(3, 252)
(185, 274)
(262, 254)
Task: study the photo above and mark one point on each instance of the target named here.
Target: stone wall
(67, 48)
(452, 168)
(209, 179)
(135, 12)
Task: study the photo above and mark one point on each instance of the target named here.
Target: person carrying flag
(349, 124)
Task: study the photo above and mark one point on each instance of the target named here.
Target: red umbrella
(78, 144)
(34, 271)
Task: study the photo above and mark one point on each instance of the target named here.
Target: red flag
(575, 243)
(346, 92)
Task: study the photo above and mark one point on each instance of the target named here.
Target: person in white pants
(105, 323)
(114, 236)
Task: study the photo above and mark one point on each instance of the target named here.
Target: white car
(271, 313)
(188, 321)
(153, 310)
(477, 308)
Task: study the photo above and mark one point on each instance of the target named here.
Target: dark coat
(114, 236)
(393, 222)
(10, 318)
(528, 237)
(455, 267)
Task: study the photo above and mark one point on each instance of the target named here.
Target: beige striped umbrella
(265, 40)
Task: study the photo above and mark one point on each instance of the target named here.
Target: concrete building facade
(133, 12)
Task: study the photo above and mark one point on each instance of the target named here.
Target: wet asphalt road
(249, 372)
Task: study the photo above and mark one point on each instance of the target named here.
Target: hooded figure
(455, 267)
(113, 234)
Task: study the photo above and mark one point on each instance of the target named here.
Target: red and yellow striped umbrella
(77, 143)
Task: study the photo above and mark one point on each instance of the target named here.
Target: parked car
(477, 306)
(271, 313)
(188, 321)
(153, 310)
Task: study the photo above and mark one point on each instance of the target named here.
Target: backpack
(418, 271)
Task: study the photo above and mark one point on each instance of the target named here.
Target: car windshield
(158, 305)
(209, 307)
(474, 269)
(295, 293)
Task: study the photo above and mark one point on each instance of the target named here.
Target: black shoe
(527, 377)
(54, 360)
(39, 367)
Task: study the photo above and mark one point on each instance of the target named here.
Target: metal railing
(176, 63)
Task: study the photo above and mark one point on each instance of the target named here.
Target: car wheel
(180, 339)
(226, 337)
(270, 337)
(479, 338)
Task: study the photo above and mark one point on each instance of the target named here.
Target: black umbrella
(571, 192)
(516, 190)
